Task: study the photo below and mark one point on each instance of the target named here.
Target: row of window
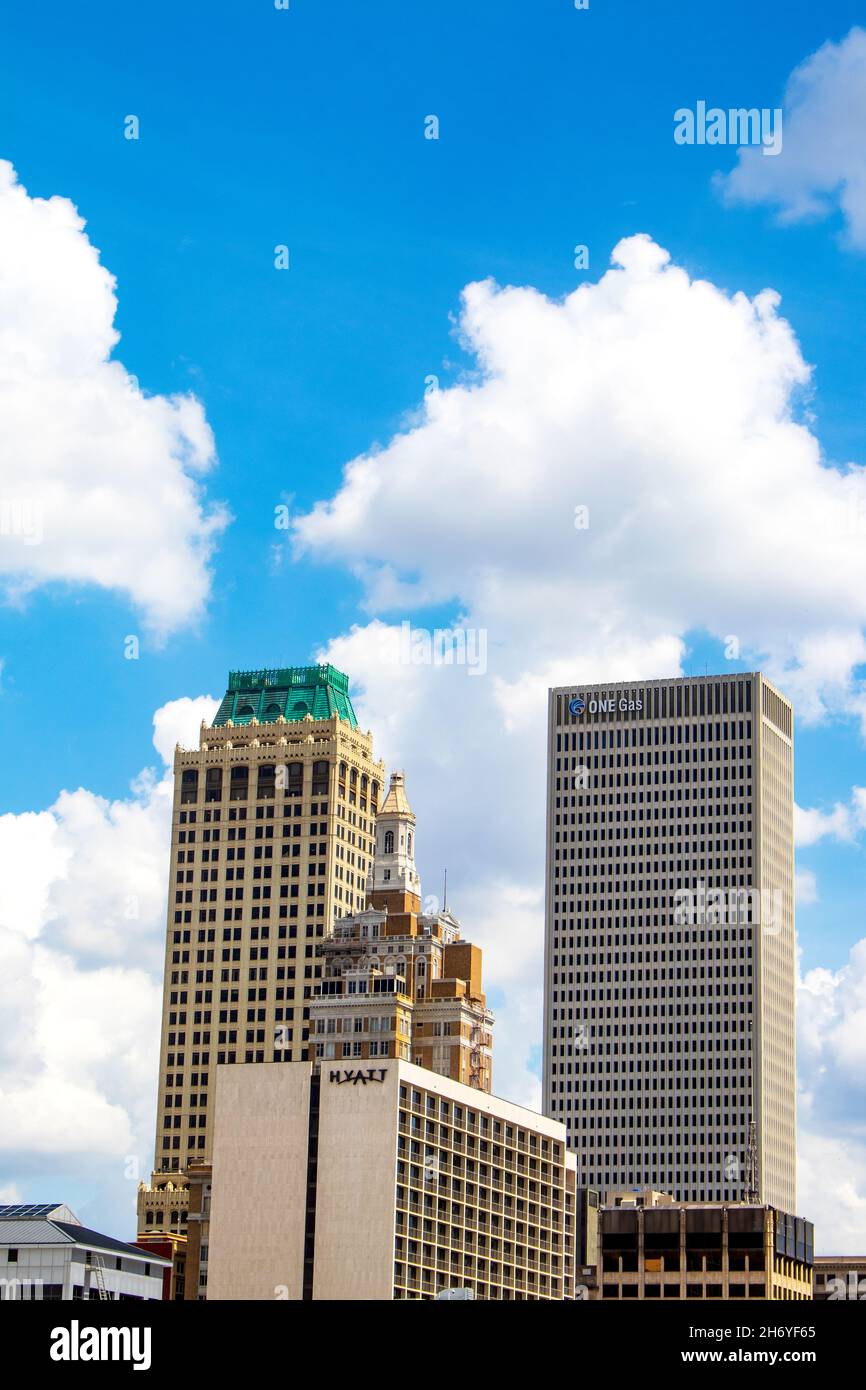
(639, 736)
(273, 777)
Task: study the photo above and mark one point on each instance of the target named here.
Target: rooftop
(37, 1224)
(292, 692)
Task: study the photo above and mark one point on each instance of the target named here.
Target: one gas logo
(606, 704)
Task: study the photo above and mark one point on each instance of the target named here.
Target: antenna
(753, 1194)
(445, 892)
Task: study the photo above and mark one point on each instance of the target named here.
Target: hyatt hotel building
(669, 949)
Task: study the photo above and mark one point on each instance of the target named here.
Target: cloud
(100, 483)
(668, 409)
(82, 939)
(831, 1063)
(842, 823)
(831, 1185)
(672, 411)
(180, 722)
(806, 888)
(832, 1020)
(822, 166)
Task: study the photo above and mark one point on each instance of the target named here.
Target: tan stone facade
(199, 1177)
(259, 1188)
(397, 982)
(273, 828)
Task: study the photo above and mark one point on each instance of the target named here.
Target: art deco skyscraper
(669, 952)
(272, 840)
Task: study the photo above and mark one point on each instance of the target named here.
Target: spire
(397, 801)
(394, 862)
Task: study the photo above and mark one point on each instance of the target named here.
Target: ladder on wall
(98, 1267)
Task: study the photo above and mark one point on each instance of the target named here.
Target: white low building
(46, 1253)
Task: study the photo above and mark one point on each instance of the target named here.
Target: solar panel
(23, 1210)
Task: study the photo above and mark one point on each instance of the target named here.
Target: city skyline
(468, 388)
(295, 929)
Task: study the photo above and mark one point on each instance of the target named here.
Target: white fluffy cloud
(831, 1182)
(831, 1063)
(672, 411)
(100, 483)
(832, 1022)
(82, 934)
(822, 166)
(841, 823)
(806, 888)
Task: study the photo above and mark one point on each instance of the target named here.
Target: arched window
(389, 842)
(409, 843)
(243, 714)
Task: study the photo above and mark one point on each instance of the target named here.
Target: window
(188, 786)
(320, 778)
(267, 780)
(239, 783)
(389, 842)
(213, 784)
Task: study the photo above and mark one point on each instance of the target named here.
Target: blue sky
(305, 128)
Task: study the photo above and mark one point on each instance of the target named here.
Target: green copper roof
(293, 691)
